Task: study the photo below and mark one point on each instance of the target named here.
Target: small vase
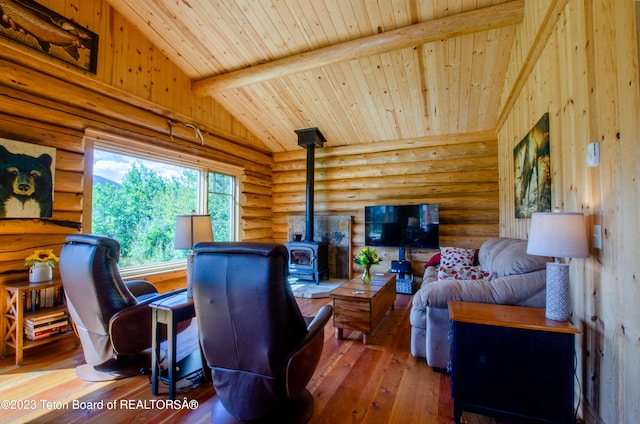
(366, 274)
(40, 272)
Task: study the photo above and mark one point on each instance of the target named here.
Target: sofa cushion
(506, 256)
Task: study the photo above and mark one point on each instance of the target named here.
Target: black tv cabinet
(511, 362)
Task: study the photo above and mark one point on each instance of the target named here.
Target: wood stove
(309, 258)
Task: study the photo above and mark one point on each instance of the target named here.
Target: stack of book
(46, 324)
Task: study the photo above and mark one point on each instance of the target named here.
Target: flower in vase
(367, 256)
(42, 255)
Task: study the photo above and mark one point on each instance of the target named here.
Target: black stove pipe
(309, 230)
(309, 138)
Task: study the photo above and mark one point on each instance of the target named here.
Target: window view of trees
(220, 200)
(135, 202)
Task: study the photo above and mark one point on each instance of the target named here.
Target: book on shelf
(46, 297)
(39, 332)
(45, 324)
(47, 333)
(45, 317)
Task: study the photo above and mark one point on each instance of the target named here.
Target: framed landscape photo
(532, 165)
(33, 25)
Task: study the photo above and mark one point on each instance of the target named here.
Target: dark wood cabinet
(512, 362)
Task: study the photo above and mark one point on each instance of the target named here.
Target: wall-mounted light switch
(593, 154)
(597, 237)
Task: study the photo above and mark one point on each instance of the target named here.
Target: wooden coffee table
(361, 307)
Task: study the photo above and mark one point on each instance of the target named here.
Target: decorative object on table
(560, 235)
(366, 258)
(46, 31)
(41, 264)
(26, 186)
(532, 165)
(190, 230)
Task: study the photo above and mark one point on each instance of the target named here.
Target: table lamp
(560, 235)
(192, 229)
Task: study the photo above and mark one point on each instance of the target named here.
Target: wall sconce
(560, 235)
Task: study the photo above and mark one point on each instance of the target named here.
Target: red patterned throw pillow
(464, 272)
(456, 256)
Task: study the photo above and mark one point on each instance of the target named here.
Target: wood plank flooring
(375, 383)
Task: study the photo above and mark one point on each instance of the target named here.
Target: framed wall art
(26, 179)
(33, 25)
(532, 165)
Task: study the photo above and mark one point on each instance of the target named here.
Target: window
(220, 199)
(135, 201)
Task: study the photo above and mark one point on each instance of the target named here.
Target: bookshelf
(34, 303)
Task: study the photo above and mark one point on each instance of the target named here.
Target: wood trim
(507, 316)
(554, 12)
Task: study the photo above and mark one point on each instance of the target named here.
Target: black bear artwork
(25, 185)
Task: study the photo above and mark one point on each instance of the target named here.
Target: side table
(361, 307)
(511, 361)
(170, 311)
(24, 300)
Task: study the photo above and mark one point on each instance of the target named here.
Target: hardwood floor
(375, 383)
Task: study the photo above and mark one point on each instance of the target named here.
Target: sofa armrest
(430, 275)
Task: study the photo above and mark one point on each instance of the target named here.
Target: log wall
(133, 95)
(578, 60)
(458, 172)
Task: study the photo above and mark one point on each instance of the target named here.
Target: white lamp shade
(192, 229)
(558, 234)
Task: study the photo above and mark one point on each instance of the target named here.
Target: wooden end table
(511, 361)
(361, 307)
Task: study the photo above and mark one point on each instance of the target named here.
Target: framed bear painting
(26, 179)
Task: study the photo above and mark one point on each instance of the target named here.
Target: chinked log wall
(458, 172)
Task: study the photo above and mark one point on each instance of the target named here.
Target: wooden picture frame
(532, 166)
(39, 28)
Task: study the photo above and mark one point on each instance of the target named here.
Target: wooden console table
(361, 307)
(511, 361)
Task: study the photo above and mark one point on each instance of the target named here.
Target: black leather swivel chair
(261, 350)
(112, 318)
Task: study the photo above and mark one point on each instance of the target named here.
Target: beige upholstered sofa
(515, 278)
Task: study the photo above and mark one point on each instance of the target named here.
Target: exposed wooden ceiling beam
(484, 19)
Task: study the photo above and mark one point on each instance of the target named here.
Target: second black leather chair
(261, 350)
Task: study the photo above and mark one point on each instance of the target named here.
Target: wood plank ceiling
(361, 70)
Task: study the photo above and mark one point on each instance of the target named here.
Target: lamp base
(557, 297)
(189, 272)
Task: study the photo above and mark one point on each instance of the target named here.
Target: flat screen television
(403, 226)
